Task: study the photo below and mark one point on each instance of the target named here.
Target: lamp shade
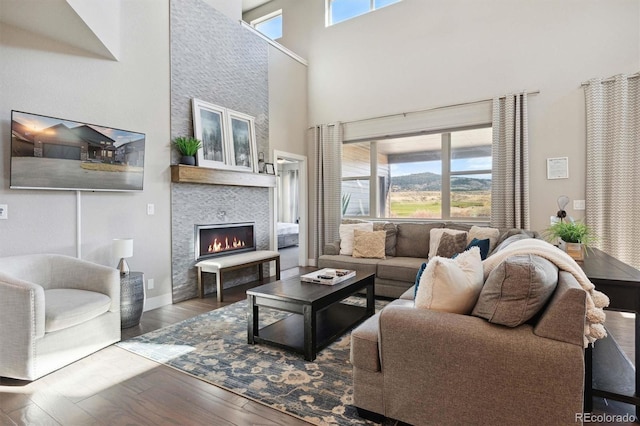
(123, 247)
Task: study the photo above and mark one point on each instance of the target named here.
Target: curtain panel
(510, 170)
(326, 141)
(613, 155)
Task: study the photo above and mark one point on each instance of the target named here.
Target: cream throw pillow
(346, 235)
(434, 238)
(369, 244)
(451, 285)
(482, 233)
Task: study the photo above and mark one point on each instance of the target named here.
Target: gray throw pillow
(516, 290)
(451, 244)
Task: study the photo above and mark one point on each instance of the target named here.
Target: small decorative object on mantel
(188, 148)
(261, 162)
(572, 237)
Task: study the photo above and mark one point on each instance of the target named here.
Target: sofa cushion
(346, 235)
(483, 232)
(451, 244)
(516, 290)
(399, 268)
(68, 307)
(340, 261)
(451, 285)
(436, 234)
(369, 244)
(413, 239)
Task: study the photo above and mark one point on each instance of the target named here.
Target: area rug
(213, 347)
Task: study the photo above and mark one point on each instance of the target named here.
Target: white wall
(47, 77)
(287, 103)
(418, 54)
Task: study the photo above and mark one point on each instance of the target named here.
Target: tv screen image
(54, 153)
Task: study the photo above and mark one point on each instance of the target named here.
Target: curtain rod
(612, 78)
(533, 92)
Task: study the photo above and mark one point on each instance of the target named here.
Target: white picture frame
(558, 168)
(241, 145)
(210, 126)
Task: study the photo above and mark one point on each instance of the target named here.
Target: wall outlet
(578, 205)
(4, 211)
(151, 209)
(150, 284)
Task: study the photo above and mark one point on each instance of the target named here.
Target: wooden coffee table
(318, 316)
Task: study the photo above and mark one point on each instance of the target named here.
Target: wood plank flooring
(116, 387)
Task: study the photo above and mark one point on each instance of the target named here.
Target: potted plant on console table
(573, 237)
(188, 148)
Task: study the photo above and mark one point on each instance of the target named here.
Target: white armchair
(54, 310)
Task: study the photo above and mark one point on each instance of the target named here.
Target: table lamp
(123, 248)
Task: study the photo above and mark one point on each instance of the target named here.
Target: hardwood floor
(116, 387)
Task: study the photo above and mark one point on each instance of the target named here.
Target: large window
(269, 25)
(438, 176)
(341, 10)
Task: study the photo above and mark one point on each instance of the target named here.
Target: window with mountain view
(437, 176)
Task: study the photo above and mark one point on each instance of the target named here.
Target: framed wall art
(209, 125)
(242, 141)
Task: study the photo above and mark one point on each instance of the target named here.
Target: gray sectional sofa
(406, 248)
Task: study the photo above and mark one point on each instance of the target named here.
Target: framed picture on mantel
(228, 137)
(209, 125)
(242, 141)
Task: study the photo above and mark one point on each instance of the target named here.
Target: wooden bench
(223, 264)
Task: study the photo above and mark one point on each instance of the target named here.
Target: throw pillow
(483, 232)
(418, 276)
(434, 238)
(516, 290)
(483, 245)
(369, 244)
(346, 235)
(451, 244)
(451, 285)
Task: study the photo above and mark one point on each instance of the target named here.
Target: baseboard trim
(157, 302)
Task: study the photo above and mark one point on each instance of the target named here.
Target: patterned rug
(213, 347)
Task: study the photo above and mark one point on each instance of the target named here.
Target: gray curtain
(326, 141)
(510, 171)
(613, 159)
(288, 197)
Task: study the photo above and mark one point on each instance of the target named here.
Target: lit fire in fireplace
(217, 246)
(223, 239)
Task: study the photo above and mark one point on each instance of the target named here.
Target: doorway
(290, 209)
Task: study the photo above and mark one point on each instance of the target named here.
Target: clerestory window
(341, 10)
(269, 25)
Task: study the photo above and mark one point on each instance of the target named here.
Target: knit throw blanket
(596, 300)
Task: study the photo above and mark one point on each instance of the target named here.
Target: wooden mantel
(193, 174)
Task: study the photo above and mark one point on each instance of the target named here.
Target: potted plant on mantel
(188, 147)
(573, 237)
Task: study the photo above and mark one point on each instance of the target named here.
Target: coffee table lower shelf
(332, 323)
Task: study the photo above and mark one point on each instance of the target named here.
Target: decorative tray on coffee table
(328, 276)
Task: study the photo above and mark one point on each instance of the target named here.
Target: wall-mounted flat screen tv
(54, 153)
